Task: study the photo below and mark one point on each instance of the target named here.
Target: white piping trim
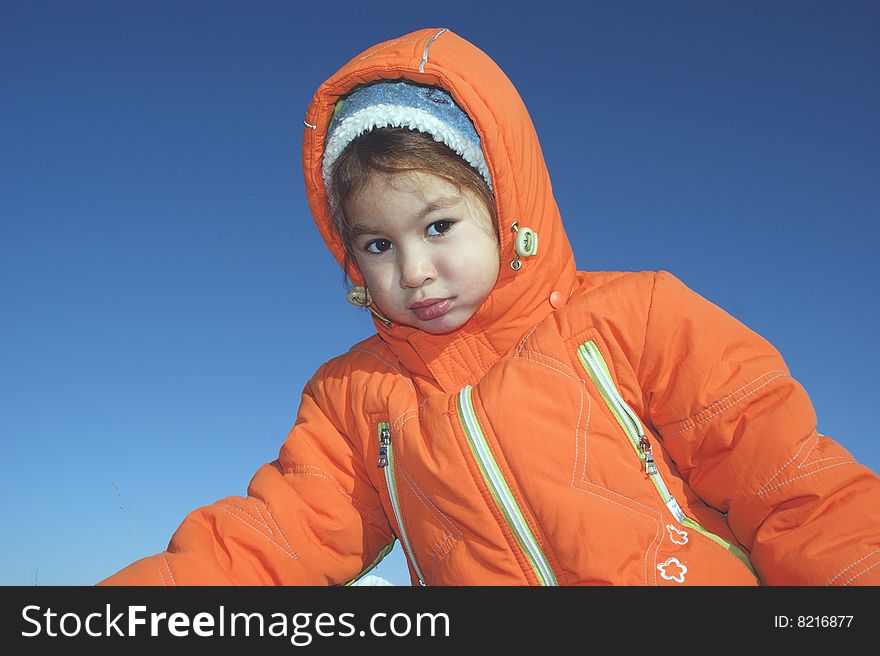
(428, 45)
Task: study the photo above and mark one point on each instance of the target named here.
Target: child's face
(427, 251)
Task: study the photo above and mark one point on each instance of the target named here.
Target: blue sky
(165, 294)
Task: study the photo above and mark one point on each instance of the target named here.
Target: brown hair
(391, 151)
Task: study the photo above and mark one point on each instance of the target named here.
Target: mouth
(431, 308)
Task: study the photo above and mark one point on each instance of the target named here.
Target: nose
(416, 267)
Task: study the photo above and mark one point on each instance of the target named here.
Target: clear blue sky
(165, 294)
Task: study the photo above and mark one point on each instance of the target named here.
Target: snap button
(557, 299)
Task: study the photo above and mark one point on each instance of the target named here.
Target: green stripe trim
(384, 552)
(732, 548)
(523, 535)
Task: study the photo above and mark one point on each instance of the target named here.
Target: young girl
(515, 421)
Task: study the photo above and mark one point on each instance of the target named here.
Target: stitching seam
(814, 443)
(289, 554)
(159, 571)
(722, 403)
(864, 571)
(359, 506)
(168, 567)
(389, 364)
(851, 565)
(810, 473)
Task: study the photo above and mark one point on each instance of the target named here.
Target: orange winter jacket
(581, 428)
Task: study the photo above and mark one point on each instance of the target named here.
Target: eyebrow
(439, 203)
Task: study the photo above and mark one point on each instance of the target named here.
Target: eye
(439, 227)
(377, 246)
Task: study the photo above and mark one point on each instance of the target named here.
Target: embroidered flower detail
(678, 537)
(677, 570)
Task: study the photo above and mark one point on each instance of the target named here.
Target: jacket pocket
(426, 534)
(597, 369)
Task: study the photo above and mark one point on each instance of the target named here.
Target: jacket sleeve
(311, 517)
(742, 433)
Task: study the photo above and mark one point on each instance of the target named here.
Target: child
(515, 421)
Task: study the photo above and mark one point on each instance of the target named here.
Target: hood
(521, 186)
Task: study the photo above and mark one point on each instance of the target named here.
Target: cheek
(367, 269)
(489, 278)
(482, 262)
(378, 280)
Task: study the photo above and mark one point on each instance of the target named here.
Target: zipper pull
(384, 443)
(650, 467)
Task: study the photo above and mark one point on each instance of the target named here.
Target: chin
(440, 331)
(443, 325)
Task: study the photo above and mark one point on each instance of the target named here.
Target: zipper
(386, 462)
(592, 360)
(500, 490)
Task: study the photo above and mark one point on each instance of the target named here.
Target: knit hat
(403, 104)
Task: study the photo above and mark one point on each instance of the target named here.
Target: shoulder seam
(722, 404)
(385, 361)
(648, 321)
